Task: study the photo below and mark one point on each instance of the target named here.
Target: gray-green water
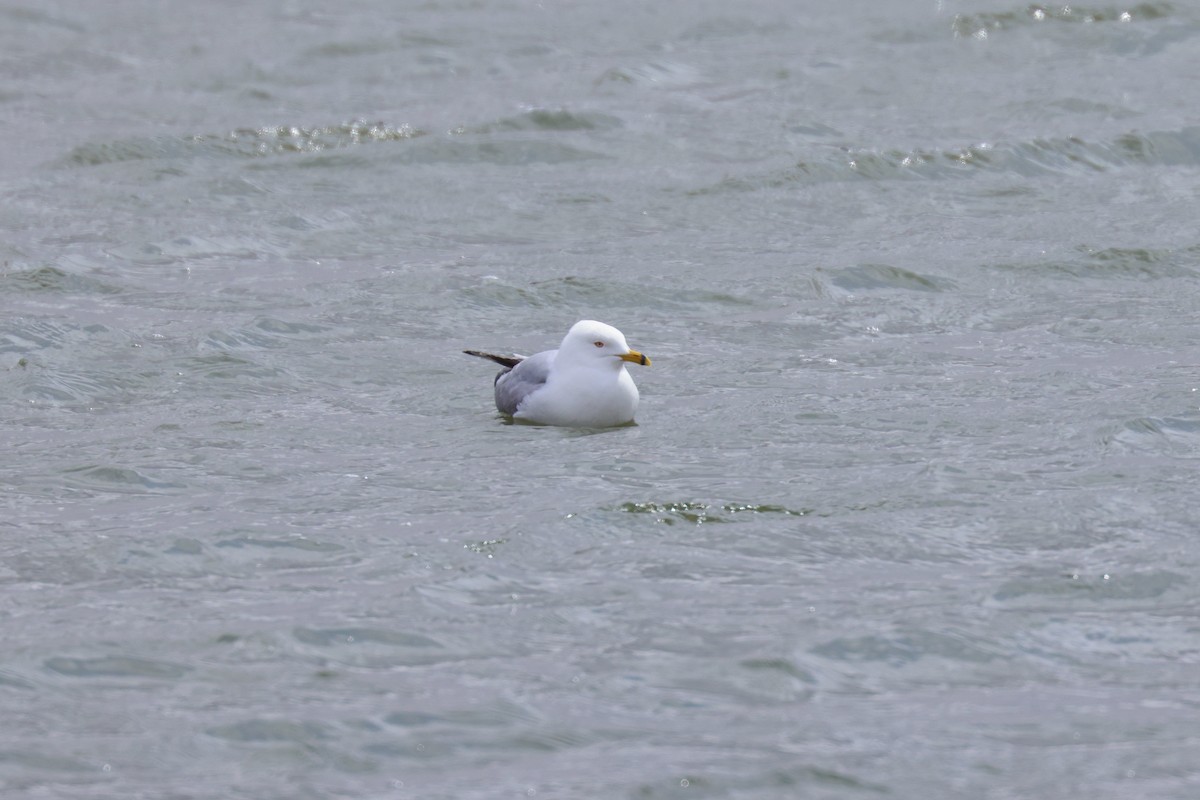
(910, 510)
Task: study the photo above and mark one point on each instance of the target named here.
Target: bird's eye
(598, 344)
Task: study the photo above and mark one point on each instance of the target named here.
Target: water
(910, 506)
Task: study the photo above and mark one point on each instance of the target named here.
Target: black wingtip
(504, 361)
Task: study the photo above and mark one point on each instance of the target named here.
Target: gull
(582, 384)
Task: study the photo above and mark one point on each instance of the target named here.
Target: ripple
(239, 143)
(1074, 589)
(978, 25)
(1113, 263)
(499, 152)
(14, 681)
(225, 366)
(703, 513)
(43, 762)
(116, 666)
(271, 730)
(35, 19)
(1140, 262)
(412, 719)
(289, 543)
(881, 276)
(265, 333)
(728, 27)
(338, 637)
(187, 249)
(27, 335)
(109, 478)
(903, 648)
(52, 280)
(583, 292)
(1029, 159)
(543, 119)
(92, 387)
(1179, 436)
(660, 74)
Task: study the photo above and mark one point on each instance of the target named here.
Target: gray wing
(514, 385)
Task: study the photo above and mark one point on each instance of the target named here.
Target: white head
(591, 342)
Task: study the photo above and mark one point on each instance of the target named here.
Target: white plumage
(582, 384)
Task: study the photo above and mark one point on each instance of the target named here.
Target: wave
(1033, 158)
(241, 143)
